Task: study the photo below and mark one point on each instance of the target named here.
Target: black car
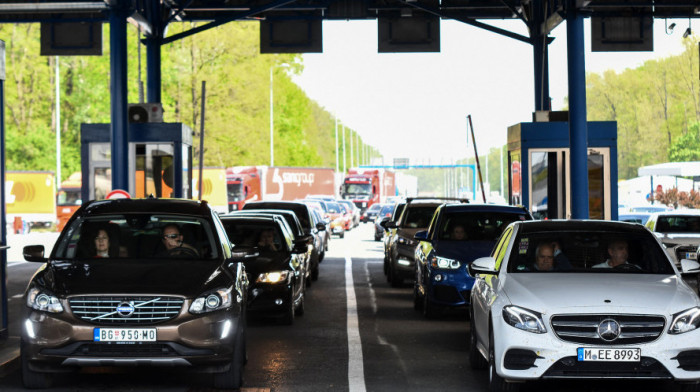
(152, 282)
(371, 213)
(384, 215)
(459, 234)
(277, 274)
(303, 212)
(295, 226)
(390, 232)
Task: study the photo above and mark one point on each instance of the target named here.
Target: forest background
(656, 106)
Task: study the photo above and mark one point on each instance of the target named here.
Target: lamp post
(272, 121)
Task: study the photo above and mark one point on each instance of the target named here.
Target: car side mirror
(421, 235)
(390, 225)
(483, 265)
(34, 253)
(320, 226)
(689, 266)
(306, 239)
(300, 247)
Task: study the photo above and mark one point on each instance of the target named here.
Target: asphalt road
(381, 344)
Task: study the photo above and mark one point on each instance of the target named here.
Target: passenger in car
(266, 242)
(101, 242)
(549, 257)
(105, 244)
(458, 233)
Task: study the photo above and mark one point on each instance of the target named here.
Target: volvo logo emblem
(125, 309)
(609, 330)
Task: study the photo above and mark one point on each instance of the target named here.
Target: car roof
(157, 206)
(579, 224)
(485, 207)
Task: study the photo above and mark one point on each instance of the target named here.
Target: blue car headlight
(525, 319)
(444, 263)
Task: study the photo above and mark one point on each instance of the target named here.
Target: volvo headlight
(525, 319)
(43, 301)
(685, 321)
(444, 263)
(211, 301)
(273, 277)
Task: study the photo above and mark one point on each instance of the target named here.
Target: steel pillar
(540, 55)
(118, 81)
(153, 60)
(578, 128)
(3, 222)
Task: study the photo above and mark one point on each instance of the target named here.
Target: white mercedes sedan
(583, 300)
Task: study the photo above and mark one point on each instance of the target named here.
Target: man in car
(548, 257)
(618, 253)
(172, 239)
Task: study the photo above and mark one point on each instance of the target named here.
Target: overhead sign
(118, 194)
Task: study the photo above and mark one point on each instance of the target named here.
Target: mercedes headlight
(444, 263)
(525, 319)
(685, 321)
(273, 277)
(43, 301)
(211, 301)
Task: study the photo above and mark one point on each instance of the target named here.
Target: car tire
(341, 235)
(233, 377)
(476, 360)
(386, 267)
(430, 310)
(314, 273)
(288, 315)
(496, 382)
(377, 238)
(30, 378)
(321, 256)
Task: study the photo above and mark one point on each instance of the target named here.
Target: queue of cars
(171, 282)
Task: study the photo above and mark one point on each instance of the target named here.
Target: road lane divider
(356, 372)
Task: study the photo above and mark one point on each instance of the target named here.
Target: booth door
(549, 185)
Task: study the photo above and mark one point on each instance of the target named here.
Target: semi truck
(29, 199)
(272, 183)
(366, 187)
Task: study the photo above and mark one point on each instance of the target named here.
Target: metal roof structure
(294, 26)
(679, 169)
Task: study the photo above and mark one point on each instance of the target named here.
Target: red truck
(249, 183)
(368, 186)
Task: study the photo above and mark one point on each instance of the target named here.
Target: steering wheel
(628, 267)
(182, 251)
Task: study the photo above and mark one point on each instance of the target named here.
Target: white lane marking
(356, 372)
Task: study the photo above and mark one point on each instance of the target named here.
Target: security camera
(687, 32)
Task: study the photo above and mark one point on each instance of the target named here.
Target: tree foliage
(656, 107)
(237, 101)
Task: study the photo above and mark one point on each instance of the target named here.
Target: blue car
(458, 234)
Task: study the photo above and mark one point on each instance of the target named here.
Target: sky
(415, 105)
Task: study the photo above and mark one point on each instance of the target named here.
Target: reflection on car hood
(267, 262)
(183, 277)
(680, 238)
(465, 251)
(599, 292)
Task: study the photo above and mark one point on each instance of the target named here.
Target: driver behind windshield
(172, 239)
(618, 252)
